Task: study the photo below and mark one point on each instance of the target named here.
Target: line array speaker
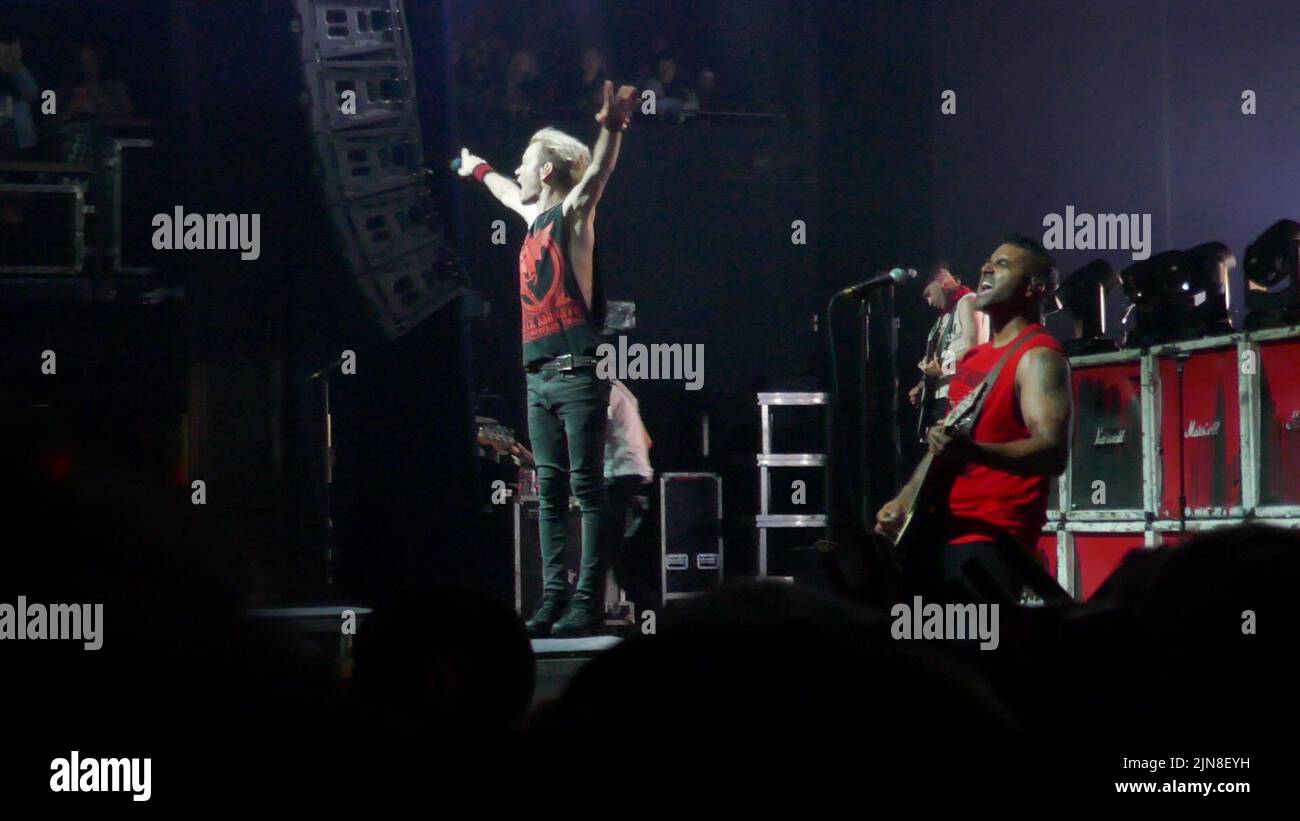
(365, 129)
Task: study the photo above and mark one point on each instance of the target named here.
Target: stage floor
(589, 645)
(558, 660)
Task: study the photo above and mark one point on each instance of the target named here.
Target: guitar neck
(922, 474)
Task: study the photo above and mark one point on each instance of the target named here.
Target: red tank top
(986, 503)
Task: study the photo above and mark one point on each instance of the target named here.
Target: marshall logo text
(1109, 436)
(1195, 431)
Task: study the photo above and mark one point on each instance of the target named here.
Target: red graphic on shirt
(547, 307)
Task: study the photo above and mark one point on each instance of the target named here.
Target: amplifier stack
(1174, 439)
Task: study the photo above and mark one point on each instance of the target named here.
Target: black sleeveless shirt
(556, 319)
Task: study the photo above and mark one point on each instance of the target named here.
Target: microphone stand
(848, 561)
(329, 552)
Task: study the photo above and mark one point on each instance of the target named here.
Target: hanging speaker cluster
(365, 130)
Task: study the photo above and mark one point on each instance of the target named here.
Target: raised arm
(502, 187)
(614, 115)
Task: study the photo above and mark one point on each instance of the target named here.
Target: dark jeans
(570, 406)
(987, 571)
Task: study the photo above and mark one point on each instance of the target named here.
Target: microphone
(892, 278)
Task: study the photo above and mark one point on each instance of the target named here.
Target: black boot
(584, 618)
(553, 602)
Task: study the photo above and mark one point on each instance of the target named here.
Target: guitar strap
(986, 386)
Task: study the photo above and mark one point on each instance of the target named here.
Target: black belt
(564, 362)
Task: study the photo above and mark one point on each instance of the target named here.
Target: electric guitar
(867, 566)
(934, 480)
(935, 344)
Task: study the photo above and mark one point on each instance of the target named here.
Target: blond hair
(566, 154)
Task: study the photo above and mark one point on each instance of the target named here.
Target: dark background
(1110, 107)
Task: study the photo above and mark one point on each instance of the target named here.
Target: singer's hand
(617, 110)
(468, 162)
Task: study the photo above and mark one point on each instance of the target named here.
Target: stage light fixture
(1179, 294)
(1084, 295)
(1272, 270)
(1152, 286)
(1207, 288)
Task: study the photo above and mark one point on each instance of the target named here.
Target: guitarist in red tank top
(997, 503)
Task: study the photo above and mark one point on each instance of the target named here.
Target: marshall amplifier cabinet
(690, 533)
(1201, 408)
(1106, 451)
(1279, 427)
(1046, 552)
(1095, 555)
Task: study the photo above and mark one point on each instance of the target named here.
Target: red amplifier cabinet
(1045, 552)
(1210, 432)
(1106, 466)
(1097, 555)
(1279, 428)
